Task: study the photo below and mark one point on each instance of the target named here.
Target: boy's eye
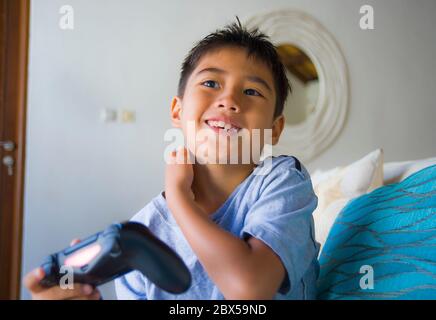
(214, 84)
(210, 84)
(252, 92)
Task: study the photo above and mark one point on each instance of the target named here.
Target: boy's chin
(223, 156)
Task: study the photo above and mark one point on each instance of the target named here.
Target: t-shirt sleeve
(282, 218)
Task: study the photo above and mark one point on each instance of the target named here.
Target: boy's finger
(172, 157)
(78, 291)
(32, 279)
(94, 296)
(74, 242)
(181, 155)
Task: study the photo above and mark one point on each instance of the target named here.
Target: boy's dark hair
(257, 44)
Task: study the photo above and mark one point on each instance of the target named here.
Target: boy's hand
(38, 292)
(179, 174)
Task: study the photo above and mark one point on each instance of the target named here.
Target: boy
(242, 234)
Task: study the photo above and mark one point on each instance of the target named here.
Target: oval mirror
(303, 77)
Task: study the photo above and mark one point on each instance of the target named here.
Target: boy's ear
(277, 128)
(176, 111)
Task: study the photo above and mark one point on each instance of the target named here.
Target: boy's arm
(240, 269)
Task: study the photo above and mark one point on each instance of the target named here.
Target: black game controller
(115, 251)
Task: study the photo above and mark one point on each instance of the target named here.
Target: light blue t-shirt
(275, 208)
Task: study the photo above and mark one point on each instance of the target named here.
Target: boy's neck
(213, 183)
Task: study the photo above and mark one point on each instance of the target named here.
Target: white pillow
(337, 186)
(398, 171)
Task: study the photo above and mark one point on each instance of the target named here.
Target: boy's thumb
(32, 279)
(74, 242)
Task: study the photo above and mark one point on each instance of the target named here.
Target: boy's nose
(229, 103)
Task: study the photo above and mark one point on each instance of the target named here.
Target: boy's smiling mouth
(222, 126)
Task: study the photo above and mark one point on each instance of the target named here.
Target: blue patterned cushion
(392, 230)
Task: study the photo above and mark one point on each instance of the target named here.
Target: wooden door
(14, 24)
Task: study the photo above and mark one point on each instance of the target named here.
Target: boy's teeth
(222, 124)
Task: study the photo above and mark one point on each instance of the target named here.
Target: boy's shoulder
(283, 163)
(283, 172)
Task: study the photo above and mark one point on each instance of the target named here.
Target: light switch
(127, 116)
(108, 115)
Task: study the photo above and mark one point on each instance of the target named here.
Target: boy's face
(228, 86)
